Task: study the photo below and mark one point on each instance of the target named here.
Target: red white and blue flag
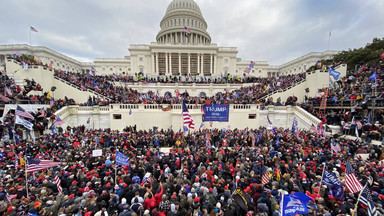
(187, 118)
(37, 164)
(58, 121)
(351, 182)
(22, 113)
(58, 183)
(33, 29)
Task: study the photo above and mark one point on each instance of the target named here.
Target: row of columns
(168, 67)
(180, 38)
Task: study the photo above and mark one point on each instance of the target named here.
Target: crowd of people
(362, 91)
(121, 94)
(197, 177)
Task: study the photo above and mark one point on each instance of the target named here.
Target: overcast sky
(272, 30)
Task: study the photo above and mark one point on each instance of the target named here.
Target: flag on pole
(334, 74)
(58, 183)
(269, 121)
(294, 124)
(51, 103)
(89, 119)
(373, 77)
(24, 122)
(187, 31)
(33, 29)
(187, 118)
(265, 178)
(7, 90)
(4, 98)
(335, 146)
(58, 121)
(122, 159)
(351, 182)
(53, 129)
(130, 111)
(21, 112)
(366, 199)
(294, 203)
(313, 127)
(37, 164)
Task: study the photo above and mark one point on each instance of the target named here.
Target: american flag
(366, 199)
(187, 30)
(335, 146)
(58, 183)
(16, 161)
(7, 90)
(37, 164)
(359, 125)
(33, 29)
(320, 129)
(265, 178)
(4, 98)
(351, 182)
(58, 121)
(22, 113)
(187, 118)
(11, 197)
(313, 127)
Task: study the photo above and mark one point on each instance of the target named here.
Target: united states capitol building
(174, 52)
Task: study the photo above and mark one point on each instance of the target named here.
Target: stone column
(189, 63)
(170, 63)
(211, 65)
(198, 63)
(215, 65)
(157, 64)
(152, 63)
(202, 64)
(179, 64)
(166, 63)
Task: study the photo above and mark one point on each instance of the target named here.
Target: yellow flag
(277, 174)
(22, 161)
(49, 95)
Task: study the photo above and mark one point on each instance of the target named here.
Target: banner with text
(216, 112)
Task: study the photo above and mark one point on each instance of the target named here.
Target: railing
(79, 88)
(179, 107)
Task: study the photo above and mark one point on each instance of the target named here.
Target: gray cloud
(276, 31)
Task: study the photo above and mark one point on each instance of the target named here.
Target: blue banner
(122, 159)
(216, 112)
(334, 73)
(330, 179)
(294, 203)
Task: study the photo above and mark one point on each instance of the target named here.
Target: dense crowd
(197, 177)
(363, 92)
(121, 94)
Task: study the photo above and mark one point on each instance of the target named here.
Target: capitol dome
(180, 14)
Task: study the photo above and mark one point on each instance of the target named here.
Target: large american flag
(351, 182)
(58, 183)
(37, 164)
(265, 178)
(366, 199)
(22, 113)
(187, 118)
